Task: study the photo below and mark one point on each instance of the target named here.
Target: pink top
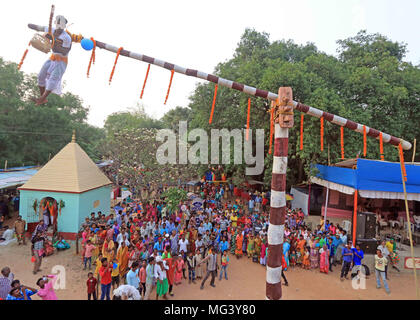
(47, 293)
(88, 250)
(142, 275)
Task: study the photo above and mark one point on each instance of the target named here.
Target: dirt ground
(246, 280)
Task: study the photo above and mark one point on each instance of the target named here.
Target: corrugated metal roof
(71, 170)
(16, 177)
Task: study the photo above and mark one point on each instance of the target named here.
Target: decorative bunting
(115, 63)
(301, 131)
(271, 129)
(401, 152)
(322, 133)
(92, 56)
(24, 56)
(381, 146)
(145, 80)
(247, 120)
(169, 87)
(214, 102)
(364, 141)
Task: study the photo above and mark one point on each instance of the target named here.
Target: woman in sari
(232, 242)
(257, 245)
(122, 258)
(239, 241)
(263, 257)
(108, 249)
(199, 267)
(314, 256)
(179, 265)
(286, 248)
(324, 259)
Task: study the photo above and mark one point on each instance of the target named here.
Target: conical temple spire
(73, 138)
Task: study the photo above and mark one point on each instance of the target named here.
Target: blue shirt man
(357, 255)
(133, 276)
(158, 246)
(347, 254)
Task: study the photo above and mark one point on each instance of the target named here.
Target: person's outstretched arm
(36, 27)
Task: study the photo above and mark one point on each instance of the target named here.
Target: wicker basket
(41, 43)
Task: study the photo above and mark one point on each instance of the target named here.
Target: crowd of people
(143, 246)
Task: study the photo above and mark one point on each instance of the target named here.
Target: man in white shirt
(183, 243)
(162, 281)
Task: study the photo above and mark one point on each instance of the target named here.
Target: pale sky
(193, 34)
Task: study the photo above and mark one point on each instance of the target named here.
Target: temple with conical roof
(76, 184)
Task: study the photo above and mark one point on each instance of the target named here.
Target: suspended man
(49, 78)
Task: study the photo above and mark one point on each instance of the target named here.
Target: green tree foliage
(171, 118)
(367, 82)
(29, 134)
(134, 118)
(173, 196)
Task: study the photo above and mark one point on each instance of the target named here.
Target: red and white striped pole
(283, 121)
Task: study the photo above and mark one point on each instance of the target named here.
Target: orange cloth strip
(212, 106)
(92, 56)
(342, 142)
(271, 129)
(301, 131)
(145, 80)
(402, 161)
(170, 84)
(56, 57)
(23, 57)
(115, 63)
(247, 120)
(364, 141)
(381, 146)
(322, 133)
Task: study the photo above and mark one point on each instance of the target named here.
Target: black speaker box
(368, 245)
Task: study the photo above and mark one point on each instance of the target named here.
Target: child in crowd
(225, 262)
(91, 286)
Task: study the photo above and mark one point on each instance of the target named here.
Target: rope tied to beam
(214, 102)
(145, 80)
(115, 63)
(92, 56)
(169, 87)
(342, 142)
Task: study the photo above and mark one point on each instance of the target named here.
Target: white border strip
(278, 199)
(280, 165)
(273, 275)
(275, 234)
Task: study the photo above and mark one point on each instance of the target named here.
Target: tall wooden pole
(283, 119)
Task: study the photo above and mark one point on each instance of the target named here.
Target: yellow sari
(108, 250)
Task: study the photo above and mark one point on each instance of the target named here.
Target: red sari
(324, 263)
(170, 273)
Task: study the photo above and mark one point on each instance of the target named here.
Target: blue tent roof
(373, 175)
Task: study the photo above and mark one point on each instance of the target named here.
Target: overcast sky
(194, 34)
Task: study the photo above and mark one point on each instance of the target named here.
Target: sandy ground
(246, 280)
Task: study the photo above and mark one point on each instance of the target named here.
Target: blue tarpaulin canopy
(375, 179)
